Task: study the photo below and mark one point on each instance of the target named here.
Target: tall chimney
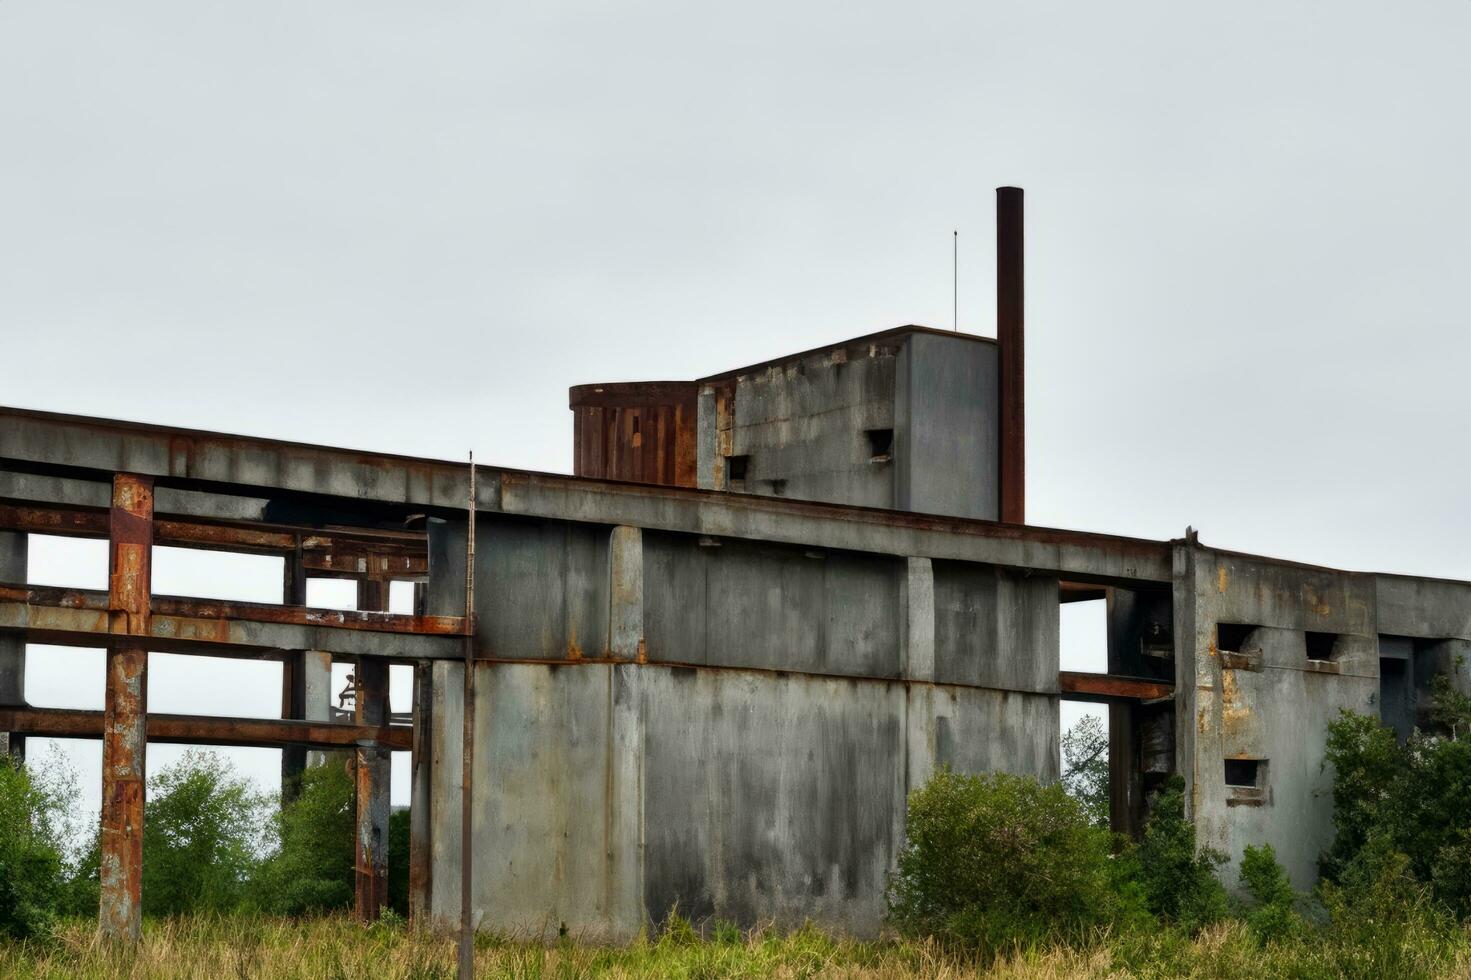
(1010, 337)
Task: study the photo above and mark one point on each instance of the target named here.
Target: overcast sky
(410, 227)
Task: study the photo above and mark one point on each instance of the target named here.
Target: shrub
(1178, 879)
(1382, 921)
(993, 860)
(201, 837)
(30, 853)
(1271, 915)
(398, 862)
(1085, 767)
(312, 869)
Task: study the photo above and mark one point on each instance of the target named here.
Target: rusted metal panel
(1010, 334)
(125, 707)
(211, 729)
(1111, 687)
(643, 432)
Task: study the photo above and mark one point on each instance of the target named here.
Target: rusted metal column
(373, 771)
(126, 705)
(293, 676)
(1010, 337)
(12, 646)
(420, 822)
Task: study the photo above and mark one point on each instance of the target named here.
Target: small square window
(1245, 773)
(1233, 637)
(736, 466)
(880, 445)
(1321, 646)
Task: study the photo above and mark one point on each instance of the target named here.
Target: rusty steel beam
(1010, 337)
(177, 618)
(344, 552)
(1081, 686)
(370, 707)
(212, 730)
(124, 738)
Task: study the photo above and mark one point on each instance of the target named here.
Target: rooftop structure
(708, 668)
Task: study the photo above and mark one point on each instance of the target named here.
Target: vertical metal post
(1010, 337)
(13, 548)
(293, 676)
(467, 943)
(373, 771)
(420, 823)
(130, 583)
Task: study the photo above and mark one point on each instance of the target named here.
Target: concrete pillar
(626, 594)
(446, 776)
(316, 693)
(126, 707)
(373, 770)
(444, 596)
(12, 647)
(917, 607)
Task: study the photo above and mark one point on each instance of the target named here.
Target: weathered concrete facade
(707, 671)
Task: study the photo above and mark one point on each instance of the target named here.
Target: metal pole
(467, 942)
(1010, 336)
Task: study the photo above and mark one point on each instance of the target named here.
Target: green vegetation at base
(1000, 876)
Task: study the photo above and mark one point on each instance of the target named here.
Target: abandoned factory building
(710, 666)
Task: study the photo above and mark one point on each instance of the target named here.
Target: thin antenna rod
(955, 281)
(467, 750)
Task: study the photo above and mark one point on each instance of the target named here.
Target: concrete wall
(749, 755)
(947, 427)
(908, 421)
(802, 425)
(1270, 702)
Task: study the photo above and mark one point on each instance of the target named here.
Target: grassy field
(339, 948)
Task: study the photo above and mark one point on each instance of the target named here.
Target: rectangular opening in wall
(880, 445)
(1396, 694)
(736, 467)
(1245, 773)
(1239, 646)
(1321, 646)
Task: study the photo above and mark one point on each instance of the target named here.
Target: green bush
(312, 869)
(31, 866)
(1415, 797)
(1272, 913)
(994, 860)
(398, 862)
(201, 837)
(1178, 879)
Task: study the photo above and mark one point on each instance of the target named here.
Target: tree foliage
(1085, 767)
(312, 868)
(31, 865)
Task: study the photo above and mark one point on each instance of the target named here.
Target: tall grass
(337, 947)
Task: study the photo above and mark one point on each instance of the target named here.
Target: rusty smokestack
(1010, 337)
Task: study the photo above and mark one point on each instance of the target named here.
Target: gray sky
(410, 228)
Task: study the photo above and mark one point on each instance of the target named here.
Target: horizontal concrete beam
(192, 460)
(80, 618)
(209, 730)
